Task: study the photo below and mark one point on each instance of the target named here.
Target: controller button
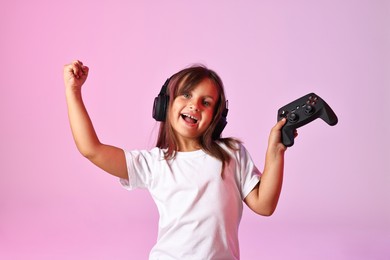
(293, 117)
(283, 114)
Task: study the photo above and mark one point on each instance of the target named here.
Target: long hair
(185, 81)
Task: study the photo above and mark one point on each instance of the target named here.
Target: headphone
(160, 107)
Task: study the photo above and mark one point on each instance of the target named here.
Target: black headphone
(161, 103)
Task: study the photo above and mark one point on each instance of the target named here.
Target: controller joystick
(309, 109)
(303, 111)
(292, 117)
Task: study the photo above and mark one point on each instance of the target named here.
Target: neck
(189, 145)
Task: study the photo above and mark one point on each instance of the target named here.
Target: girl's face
(191, 113)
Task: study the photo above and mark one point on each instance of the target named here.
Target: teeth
(192, 117)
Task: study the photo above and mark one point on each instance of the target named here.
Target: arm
(109, 158)
(263, 199)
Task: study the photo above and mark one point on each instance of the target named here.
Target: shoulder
(232, 146)
(152, 154)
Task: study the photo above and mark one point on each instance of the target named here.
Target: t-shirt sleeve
(249, 173)
(139, 169)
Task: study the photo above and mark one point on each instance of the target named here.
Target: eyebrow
(207, 96)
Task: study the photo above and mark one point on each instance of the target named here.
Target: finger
(77, 69)
(280, 123)
(77, 62)
(85, 70)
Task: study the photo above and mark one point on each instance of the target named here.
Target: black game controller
(301, 112)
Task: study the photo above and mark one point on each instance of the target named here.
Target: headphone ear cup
(160, 106)
(221, 125)
(161, 102)
(219, 128)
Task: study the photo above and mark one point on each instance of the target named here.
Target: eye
(206, 103)
(187, 95)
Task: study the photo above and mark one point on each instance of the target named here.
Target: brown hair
(182, 82)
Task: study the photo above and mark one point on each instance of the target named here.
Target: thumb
(280, 123)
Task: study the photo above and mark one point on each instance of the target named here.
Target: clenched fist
(75, 74)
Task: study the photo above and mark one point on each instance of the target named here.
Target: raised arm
(109, 158)
(264, 198)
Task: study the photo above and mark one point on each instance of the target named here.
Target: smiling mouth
(189, 119)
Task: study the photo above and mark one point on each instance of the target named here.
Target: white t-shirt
(200, 208)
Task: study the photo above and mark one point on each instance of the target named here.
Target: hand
(275, 137)
(75, 74)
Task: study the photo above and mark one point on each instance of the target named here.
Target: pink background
(335, 202)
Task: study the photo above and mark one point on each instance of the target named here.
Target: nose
(194, 105)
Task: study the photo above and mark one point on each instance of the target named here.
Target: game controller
(303, 111)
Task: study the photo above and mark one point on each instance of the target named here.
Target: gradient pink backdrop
(335, 202)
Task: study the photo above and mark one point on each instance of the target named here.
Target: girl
(197, 179)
